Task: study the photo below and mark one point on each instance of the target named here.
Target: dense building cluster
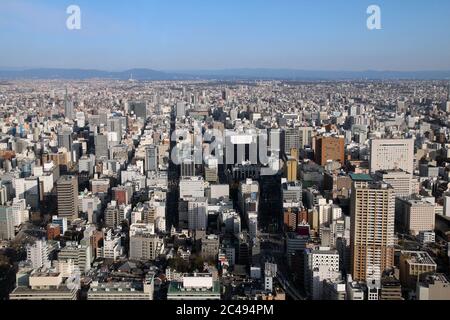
(243, 190)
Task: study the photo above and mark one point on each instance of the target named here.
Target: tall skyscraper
(68, 107)
(387, 154)
(67, 194)
(372, 215)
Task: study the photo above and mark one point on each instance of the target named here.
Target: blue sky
(200, 34)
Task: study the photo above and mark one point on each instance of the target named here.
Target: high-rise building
(306, 136)
(291, 140)
(414, 215)
(187, 168)
(372, 229)
(67, 197)
(151, 158)
(139, 109)
(115, 125)
(291, 166)
(180, 110)
(65, 138)
(387, 154)
(101, 146)
(68, 107)
(6, 223)
(112, 215)
(329, 149)
(198, 214)
(400, 180)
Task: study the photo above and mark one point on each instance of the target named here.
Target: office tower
(291, 140)
(101, 146)
(387, 154)
(65, 138)
(6, 223)
(37, 254)
(68, 107)
(139, 109)
(180, 110)
(291, 166)
(198, 214)
(115, 125)
(295, 243)
(320, 265)
(400, 180)
(414, 215)
(329, 149)
(187, 168)
(67, 197)
(151, 158)
(305, 136)
(372, 214)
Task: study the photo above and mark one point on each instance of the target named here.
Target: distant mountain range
(222, 74)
